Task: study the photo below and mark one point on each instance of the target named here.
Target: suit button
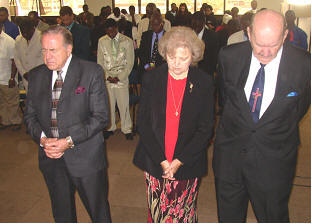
(244, 151)
(253, 131)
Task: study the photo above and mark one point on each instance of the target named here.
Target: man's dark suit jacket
(195, 127)
(169, 16)
(146, 49)
(276, 135)
(82, 113)
(209, 62)
(81, 39)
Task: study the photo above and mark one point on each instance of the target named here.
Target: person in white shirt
(116, 15)
(134, 19)
(9, 94)
(116, 56)
(254, 6)
(39, 24)
(27, 53)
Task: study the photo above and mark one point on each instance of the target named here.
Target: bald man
(265, 87)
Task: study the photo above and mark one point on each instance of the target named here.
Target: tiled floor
(24, 196)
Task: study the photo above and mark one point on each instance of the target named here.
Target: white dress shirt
(54, 77)
(201, 33)
(28, 55)
(64, 71)
(112, 16)
(271, 73)
(6, 55)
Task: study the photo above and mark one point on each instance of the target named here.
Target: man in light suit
(67, 109)
(265, 84)
(116, 56)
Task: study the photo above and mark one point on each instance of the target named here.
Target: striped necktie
(56, 93)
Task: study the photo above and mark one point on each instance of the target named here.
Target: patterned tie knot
(59, 74)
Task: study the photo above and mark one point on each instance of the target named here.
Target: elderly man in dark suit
(81, 34)
(67, 109)
(266, 91)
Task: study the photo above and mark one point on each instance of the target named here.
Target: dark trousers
(269, 194)
(92, 189)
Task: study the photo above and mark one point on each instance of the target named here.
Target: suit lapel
(46, 102)
(72, 79)
(149, 44)
(283, 87)
(188, 99)
(163, 104)
(241, 85)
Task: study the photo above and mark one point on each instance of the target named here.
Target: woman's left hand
(174, 166)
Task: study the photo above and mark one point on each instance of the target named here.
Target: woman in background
(183, 17)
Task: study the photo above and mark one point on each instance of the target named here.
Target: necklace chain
(175, 107)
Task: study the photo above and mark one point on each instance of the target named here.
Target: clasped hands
(169, 169)
(113, 80)
(54, 147)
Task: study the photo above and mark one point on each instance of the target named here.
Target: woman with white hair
(175, 123)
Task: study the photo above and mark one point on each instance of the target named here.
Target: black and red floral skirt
(171, 201)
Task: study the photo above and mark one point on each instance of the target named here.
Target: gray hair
(181, 36)
(57, 29)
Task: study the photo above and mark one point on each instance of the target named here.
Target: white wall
(270, 4)
(96, 5)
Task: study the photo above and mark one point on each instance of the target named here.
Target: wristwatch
(70, 142)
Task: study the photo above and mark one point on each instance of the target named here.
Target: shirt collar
(116, 37)
(275, 61)
(201, 33)
(160, 34)
(65, 67)
(70, 26)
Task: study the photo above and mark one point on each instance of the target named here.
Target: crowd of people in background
(127, 46)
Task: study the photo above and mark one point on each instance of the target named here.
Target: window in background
(217, 5)
(189, 3)
(76, 5)
(242, 5)
(122, 4)
(161, 4)
(47, 7)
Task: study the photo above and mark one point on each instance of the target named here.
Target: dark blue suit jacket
(81, 39)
